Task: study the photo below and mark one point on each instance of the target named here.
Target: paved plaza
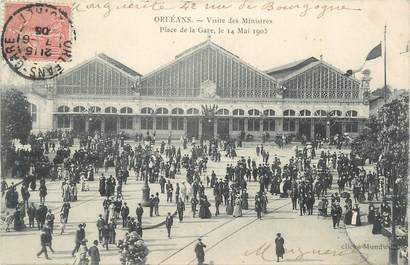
(229, 240)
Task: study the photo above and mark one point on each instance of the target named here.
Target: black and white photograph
(209, 132)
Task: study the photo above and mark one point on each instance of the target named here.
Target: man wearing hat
(200, 252)
(336, 213)
(79, 237)
(44, 241)
(280, 250)
(258, 205)
(94, 254)
(169, 220)
(180, 209)
(139, 211)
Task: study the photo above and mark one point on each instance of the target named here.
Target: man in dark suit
(310, 202)
(44, 241)
(125, 211)
(169, 220)
(279, 245)
(151, 205)
(41, 214)
(79, 237)
(170, 190)
(139, 211)
(181, 209)
(258, 205)
(200, 252)
(94, 254)
(31, 212)
(100, 224)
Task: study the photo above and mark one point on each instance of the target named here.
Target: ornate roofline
(311, 65)
(102, 60)
(201, 45)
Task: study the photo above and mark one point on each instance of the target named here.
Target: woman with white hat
(237, 212)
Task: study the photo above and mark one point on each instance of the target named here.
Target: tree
(15, 121)
(366, 144)
(386, 139)
(394, 137)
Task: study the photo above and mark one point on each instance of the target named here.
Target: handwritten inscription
(265, 251)
(317, 9)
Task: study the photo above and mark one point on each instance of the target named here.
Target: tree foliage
(15, 116)
(395, 136)
(366, 145)
(386, 137)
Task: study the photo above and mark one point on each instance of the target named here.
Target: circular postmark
(37, 39)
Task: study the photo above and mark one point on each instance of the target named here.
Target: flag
(375, 52)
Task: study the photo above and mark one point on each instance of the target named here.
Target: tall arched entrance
(110, 125)
(94, 125)
(79, 124)
(192, 127)
(305, 128)
(320, 130)
(223, 128)
(208, 128)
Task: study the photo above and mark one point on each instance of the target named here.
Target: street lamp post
(328, 130)
(145, 193)
(146, 189)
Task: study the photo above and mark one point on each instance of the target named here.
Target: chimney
(321, 57)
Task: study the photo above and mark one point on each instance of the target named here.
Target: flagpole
(385, 63)
(393, 248)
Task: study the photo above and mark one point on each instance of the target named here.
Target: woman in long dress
(245, 197)
(348, 215)
(204, 212)
(66, 192)
(237, 212)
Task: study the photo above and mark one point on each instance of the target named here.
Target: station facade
(205, 91)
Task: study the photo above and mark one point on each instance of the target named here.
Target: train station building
(206, 91)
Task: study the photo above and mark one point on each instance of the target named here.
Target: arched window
(63, 109)
(269, 112)
(351, 113)
(320, 113)
(126, 110)
(79, 109)
(95, 109)
(289, 112)
(161, 111)
(305, 113)
(222, 112)
(33, 112)
(238, 112)
(192, 111)
(110, 110)
(335, 113)
(254, 112)
(147, 110)
(177, 111)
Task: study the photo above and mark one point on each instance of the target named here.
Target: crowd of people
(306, 179)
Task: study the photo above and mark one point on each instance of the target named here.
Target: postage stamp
(37, 39)
(223, 132)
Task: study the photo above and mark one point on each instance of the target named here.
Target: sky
(343, 35)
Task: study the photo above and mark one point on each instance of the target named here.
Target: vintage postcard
(204, 132)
